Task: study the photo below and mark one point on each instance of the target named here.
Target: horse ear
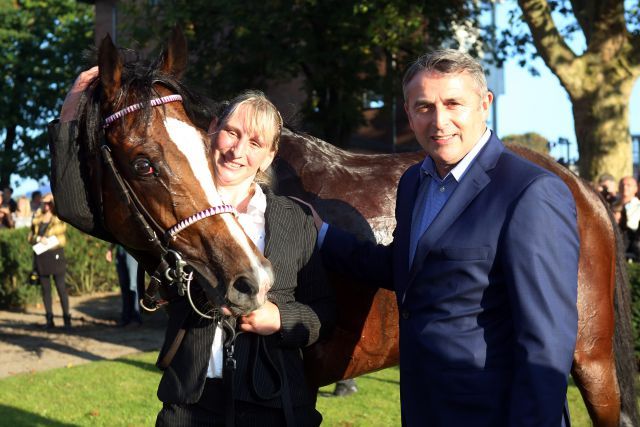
(174, 60)
(110, 65)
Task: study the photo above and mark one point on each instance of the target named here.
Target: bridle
(171, 268)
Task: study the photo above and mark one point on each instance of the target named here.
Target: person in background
(608, 188)
(630, 218)
(36, 201)
(8, 201)
(23, 215)
(127, 269)
(617, 208)
(51, 263)
(6, 220)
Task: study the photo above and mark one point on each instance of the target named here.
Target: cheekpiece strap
(135, 107)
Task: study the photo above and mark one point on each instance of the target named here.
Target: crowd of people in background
(622, 198)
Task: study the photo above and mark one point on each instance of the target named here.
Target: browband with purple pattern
(214, 210)
(135, 107)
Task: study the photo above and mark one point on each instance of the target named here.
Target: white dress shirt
(253, 224)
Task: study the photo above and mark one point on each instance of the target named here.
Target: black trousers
(45, 281)
(209, 412)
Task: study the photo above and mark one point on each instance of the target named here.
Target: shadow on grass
(150, 367)
(17, 417)
(382, 380)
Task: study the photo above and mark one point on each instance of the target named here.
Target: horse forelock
(140, 83)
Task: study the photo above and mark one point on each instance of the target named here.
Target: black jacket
(307, 310)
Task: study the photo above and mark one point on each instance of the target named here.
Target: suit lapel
(474, 181)
(407, 195)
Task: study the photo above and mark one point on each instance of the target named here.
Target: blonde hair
(264, 118)
(23, 207)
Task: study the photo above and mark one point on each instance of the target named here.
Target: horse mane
(137, 86)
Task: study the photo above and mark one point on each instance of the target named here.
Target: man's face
(628, 188)
(447, 114)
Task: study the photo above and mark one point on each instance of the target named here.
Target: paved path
(26, 347)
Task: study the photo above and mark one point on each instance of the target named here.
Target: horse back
(357, 192)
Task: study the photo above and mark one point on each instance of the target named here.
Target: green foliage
(634, 279)
(87, 269)
(42, 44)
(531, 140)
(122, 392)
(335, 50)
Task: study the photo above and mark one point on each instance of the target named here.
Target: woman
(268, 386)
(23, 216)
(48, 233)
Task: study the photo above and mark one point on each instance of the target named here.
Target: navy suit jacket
(488, 316)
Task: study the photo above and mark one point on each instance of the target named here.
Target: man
(8, 202)
(36, 201)
(630, 218)
(6, 220)
(484, 264)
(608, 188)
(131, 280)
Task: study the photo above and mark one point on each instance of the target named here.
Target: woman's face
(46, 204)
(239, 148)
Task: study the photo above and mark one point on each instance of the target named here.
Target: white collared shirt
(253, 223)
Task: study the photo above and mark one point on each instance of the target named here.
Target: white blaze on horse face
(190, 143)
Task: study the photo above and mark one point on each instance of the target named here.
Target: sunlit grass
(122, 392)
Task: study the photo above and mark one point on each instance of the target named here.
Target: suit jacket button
(405, 314)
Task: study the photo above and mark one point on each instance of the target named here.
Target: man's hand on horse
(69, 109)
(263, 321)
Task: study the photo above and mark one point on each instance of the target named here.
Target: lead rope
(229, 368)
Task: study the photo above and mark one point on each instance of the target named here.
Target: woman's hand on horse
(263, 321)
(69, 109)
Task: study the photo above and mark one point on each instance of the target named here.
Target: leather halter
(171, 264)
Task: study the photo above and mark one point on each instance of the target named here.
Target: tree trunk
(8, 155)
(602, 130)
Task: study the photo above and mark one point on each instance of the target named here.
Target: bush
(87, 269)
(634, 281)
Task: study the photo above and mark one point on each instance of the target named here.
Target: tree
(42, 44)
(599, 81)
(337, 49)
(531, 140)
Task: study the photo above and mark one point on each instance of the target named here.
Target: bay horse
(357, 192)
(162, 155)
(149, 170)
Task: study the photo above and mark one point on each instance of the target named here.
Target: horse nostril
(243, 286)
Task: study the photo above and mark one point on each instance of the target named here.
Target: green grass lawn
(122, 392)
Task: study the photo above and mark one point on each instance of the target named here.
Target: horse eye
(143, 167)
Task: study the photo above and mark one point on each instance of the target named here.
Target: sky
(528, 104)
(539, 103)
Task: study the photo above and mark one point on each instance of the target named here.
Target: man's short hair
(447, 61)
(606, 177)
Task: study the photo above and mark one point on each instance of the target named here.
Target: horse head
(152, 167)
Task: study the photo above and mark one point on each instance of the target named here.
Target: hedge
(88, 272)
(634, 280)
(87, 269)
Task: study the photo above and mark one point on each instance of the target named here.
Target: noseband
(171, 267)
